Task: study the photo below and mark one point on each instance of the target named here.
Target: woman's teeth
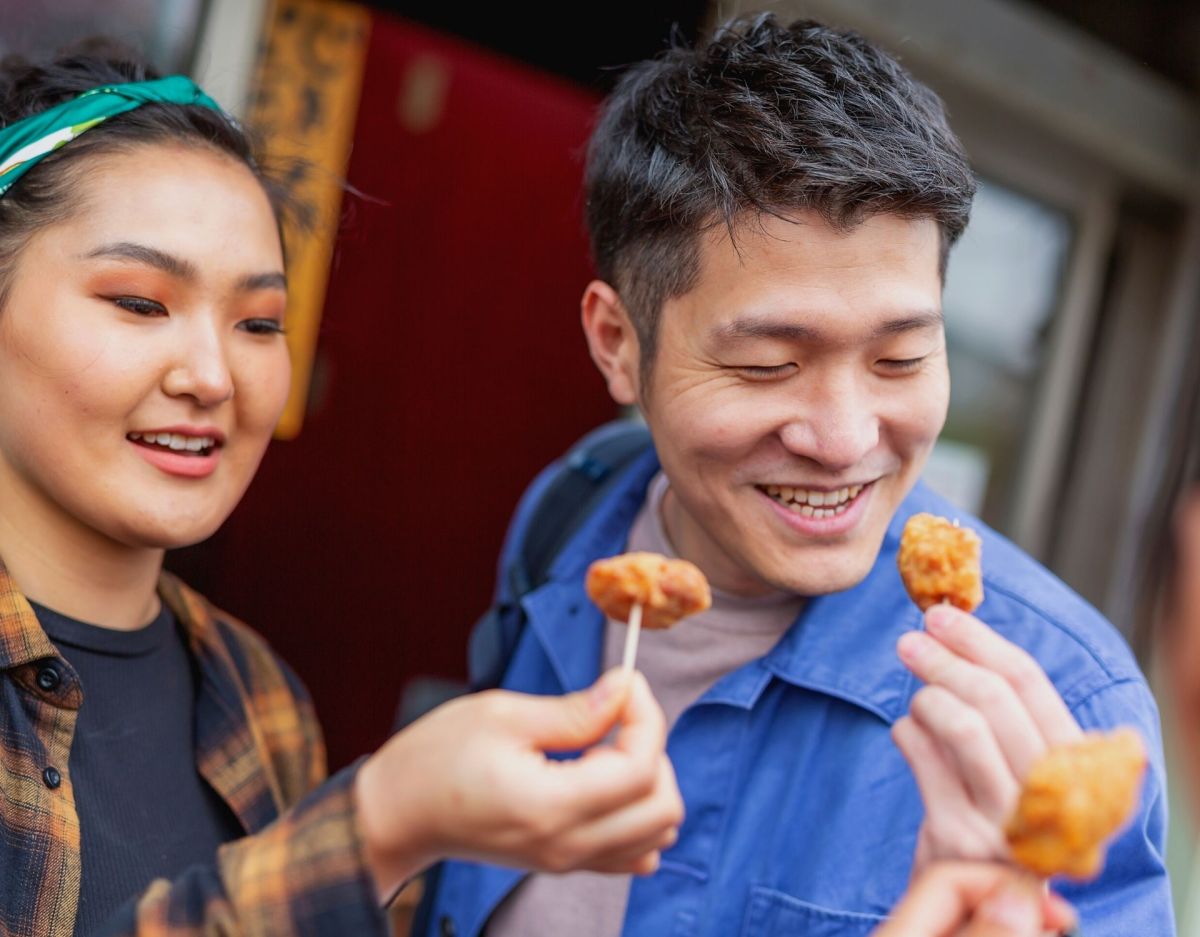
(809, 503)
(175, 441)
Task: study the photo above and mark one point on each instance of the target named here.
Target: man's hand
(976, 899)
(987, 714)
(471, 780)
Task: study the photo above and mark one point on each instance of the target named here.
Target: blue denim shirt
(802, 815)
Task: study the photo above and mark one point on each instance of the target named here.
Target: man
(771, 215)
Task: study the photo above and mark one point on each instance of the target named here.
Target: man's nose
(835, 428)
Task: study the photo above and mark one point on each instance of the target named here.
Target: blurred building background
(448, 367)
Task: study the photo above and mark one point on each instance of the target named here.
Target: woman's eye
(261, 326)
(765, 373)
(139, 306)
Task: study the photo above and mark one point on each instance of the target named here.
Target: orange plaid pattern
(258, 744)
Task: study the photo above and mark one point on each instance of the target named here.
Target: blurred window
(1002, 291)
(165, 31)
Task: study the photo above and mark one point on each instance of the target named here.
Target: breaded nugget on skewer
(939, 562)
(667, 590)
(1074, 799)
(646, 588)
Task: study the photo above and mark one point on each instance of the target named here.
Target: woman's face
(142, 363)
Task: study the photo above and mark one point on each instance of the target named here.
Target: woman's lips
(183, 463)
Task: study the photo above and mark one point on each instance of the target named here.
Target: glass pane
(165, 31)
(1002, 289)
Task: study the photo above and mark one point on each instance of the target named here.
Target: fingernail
(911, 646)
(939, 619)
(1011, 907)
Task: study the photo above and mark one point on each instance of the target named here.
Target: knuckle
(1024, 673)
(925, 701)
(558, 859)
(942, 832)
(992, 691)
(967, 728)
(494, 705)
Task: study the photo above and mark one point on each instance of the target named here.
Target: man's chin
(804, 576)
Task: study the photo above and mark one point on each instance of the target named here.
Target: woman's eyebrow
(180, 268)
(150, 256)
(263, 281)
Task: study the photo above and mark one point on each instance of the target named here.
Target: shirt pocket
(772, 913)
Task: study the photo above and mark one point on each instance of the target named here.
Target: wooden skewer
(631, 639)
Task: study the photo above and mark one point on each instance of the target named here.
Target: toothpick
(631, 639)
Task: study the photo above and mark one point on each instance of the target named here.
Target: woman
(160, 769)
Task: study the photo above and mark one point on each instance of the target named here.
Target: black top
(144, 810)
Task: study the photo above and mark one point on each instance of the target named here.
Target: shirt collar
(842, 645)
(231, 753)
(22, 639)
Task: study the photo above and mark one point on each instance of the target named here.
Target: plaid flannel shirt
(258, 744)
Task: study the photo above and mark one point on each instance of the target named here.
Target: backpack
(584, 476)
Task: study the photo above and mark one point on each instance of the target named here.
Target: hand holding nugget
(646, 589)
(977, 899)
(985, 718)
(484, 788)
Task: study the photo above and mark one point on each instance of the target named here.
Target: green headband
(25, 143)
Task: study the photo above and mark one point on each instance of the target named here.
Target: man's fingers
(936, 777)
(970, 638)
(953, 824)
(1018, 736)
(965, 734)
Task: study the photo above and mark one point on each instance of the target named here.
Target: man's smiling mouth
(811, 502)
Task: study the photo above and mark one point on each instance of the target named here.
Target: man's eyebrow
(183, 269)
(794, 332)
(763, 328)
(926, 319)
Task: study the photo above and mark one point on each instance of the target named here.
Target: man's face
(796, 392)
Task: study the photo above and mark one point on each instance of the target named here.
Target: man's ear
(611, 339)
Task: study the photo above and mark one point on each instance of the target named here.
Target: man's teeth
(176, 441)
(809, 503)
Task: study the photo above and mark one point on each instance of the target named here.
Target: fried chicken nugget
(667, 590)
(1074, 799)
(939, 562)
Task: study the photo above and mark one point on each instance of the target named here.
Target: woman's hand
(471, 780)
(976, 899)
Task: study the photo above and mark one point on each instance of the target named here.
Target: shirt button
(446, 926)
(52, 778)
(48, 678)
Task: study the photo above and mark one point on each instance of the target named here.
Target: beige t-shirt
(681, 664)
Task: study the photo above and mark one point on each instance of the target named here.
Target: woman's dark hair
(763, 119)
(46, 193)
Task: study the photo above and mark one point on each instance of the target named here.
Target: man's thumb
(577, 720)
